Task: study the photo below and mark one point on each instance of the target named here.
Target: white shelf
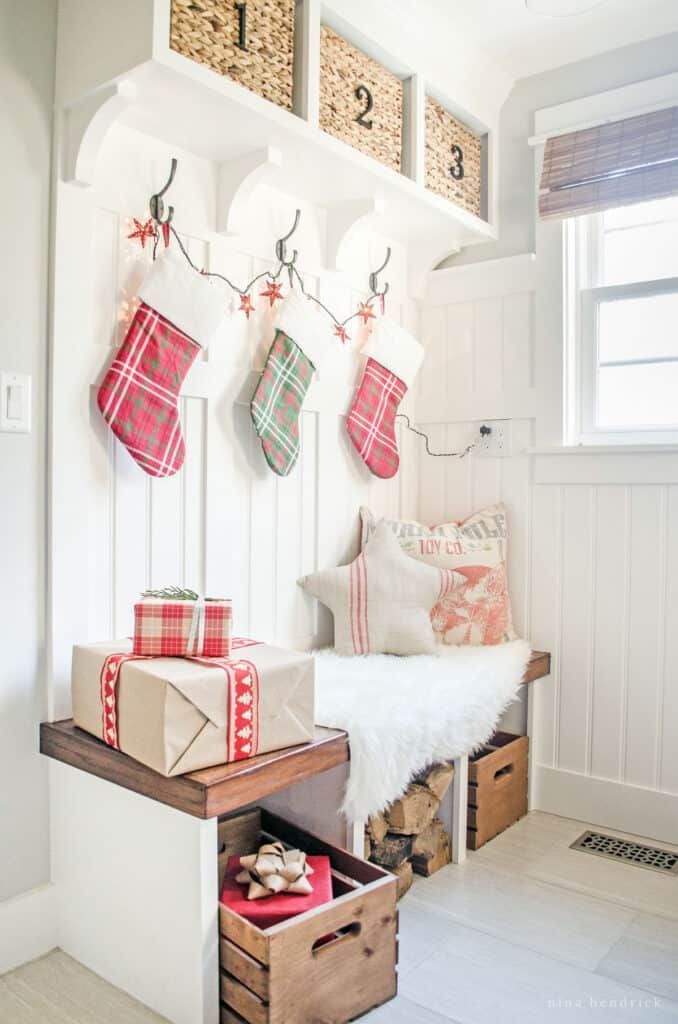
(151, 88)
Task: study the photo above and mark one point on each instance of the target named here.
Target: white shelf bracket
(342, 217)
(85, 126)
(237, 180)
(424, 257)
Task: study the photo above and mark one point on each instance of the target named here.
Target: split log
(431, 849)
(392, 851)
(437, 778)
(405, 878)
(413, 811)
(377, 826)
(367, 852)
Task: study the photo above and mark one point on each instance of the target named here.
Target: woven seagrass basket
(453, 159)
(361, 102)
(252, 42)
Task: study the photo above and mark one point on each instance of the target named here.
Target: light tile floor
(526, 931)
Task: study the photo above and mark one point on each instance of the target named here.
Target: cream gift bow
(274, 869)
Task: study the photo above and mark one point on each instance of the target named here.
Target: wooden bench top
(209, 792)
(225, 787)
(539, 666)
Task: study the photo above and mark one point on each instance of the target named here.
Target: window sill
(607, 449)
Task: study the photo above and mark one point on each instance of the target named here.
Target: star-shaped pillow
(382, 600)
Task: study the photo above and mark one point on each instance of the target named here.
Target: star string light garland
(150, 229)
(273, 292)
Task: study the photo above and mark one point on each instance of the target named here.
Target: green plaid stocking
(280, 393)
(277, 402)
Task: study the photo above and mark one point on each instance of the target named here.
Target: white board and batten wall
(593, 560)
(225, 524)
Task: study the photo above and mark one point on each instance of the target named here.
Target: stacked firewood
(409, 836)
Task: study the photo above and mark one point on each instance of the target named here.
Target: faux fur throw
(404, 713)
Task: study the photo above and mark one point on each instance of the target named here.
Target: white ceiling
(524, 43)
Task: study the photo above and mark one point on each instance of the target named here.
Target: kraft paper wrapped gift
(178, 715)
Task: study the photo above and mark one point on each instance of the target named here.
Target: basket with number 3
(251, 42)
(453, 159)
(361, 101)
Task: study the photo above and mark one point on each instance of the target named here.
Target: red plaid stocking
(394, 357)
(139, 394)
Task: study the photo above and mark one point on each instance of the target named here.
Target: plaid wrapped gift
(163, 628)
(393, 358)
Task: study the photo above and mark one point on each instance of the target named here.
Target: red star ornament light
(246, 306)
(272, 292)
(365, 312)
(341, 332)
(142, 230)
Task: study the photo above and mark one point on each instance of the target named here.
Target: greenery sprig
(172, 594)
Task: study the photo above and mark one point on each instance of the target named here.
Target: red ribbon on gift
(242, 735)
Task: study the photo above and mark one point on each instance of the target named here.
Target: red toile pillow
(479, 610)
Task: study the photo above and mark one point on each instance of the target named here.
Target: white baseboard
(616, 805)
(28, 927)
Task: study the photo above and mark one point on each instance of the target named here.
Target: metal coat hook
(281, 244)
(374, 276)
(156, 205)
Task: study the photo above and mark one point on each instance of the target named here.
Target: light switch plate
(15, 402)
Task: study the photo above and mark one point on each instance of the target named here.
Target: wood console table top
(226, 787)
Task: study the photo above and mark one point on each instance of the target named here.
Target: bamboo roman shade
(615, 164)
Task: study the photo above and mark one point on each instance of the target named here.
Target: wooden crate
(282, 975)
(361, 102)
(453, 165)
(497, 787)
(251, 43)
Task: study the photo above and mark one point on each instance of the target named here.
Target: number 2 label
(364, 94)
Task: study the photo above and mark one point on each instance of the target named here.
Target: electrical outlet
(496, 443)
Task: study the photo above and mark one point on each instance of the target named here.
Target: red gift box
(270, 910)
(162, 628)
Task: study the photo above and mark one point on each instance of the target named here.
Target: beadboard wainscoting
(225, 524)
(478, 330)
(593, 560)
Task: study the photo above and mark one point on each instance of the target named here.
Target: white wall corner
(473, 281)
(28, 927)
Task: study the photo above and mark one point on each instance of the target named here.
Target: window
(622, 325)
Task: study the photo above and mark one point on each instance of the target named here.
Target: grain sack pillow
(382, 601)
(479, 611)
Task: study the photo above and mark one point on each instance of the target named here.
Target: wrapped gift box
(176, 628)
(177, 715)
(270, 910)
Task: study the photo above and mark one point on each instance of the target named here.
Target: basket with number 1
(251, 42)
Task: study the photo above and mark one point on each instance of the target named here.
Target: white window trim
(557, 426)
(586, 355)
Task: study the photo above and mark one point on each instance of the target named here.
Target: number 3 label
(457, 168)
